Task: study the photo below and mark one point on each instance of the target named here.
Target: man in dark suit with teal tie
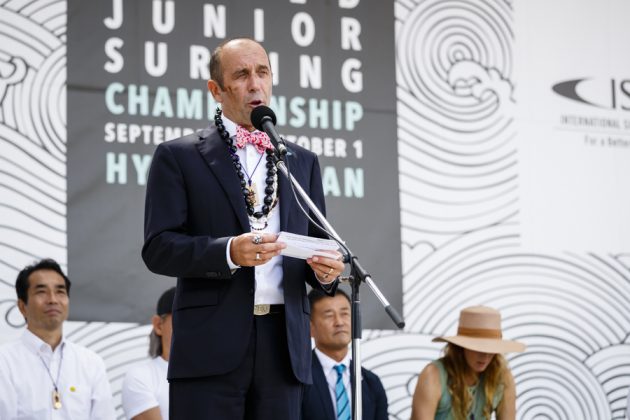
(214, 206)
(329, 398)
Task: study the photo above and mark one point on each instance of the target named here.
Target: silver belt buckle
(262, 309)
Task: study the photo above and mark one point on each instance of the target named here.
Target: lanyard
(55, 395)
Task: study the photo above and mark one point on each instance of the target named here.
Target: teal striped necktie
(343, 404)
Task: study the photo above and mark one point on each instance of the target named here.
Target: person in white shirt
(145, 388)
(43, 375)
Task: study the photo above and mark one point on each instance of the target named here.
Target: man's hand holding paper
(320, 254)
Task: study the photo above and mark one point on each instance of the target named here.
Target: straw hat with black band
(479, 330)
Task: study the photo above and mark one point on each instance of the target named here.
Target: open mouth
(256, 103)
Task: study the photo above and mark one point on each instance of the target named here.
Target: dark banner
(137, 73)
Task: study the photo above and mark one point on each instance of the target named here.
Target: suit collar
(328, 363)
(321, 385)
(215, 152)
(287, 200)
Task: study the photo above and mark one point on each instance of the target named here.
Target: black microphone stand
(357, 276)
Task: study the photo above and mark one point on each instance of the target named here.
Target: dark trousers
(263, 387)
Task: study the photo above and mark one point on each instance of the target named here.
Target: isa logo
(610, 94)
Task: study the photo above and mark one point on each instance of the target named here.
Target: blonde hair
(457, 368)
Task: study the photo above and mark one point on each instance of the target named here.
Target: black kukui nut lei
(268, 201)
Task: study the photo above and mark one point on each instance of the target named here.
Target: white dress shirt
(26, 387)
(328, 366)
(145, 386)
(268, 276)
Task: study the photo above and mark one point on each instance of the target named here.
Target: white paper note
(303, 247)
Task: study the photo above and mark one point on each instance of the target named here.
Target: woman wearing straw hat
(472, 379)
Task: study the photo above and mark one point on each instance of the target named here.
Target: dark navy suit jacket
(193, 206)
(317, 403)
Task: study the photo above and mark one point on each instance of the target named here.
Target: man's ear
(156, 320)
(22, 307)
(215, 90)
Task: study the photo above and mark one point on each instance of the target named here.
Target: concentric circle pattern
(455, 61)
(32, 139)
(458, 161)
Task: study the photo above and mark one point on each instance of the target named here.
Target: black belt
(264, 309)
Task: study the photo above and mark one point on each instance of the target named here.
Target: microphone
(264, 119)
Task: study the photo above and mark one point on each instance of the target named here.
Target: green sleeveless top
(477, 393)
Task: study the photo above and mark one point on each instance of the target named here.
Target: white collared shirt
(26, 388)
(328, 366)
(145, 386)
(268, 276)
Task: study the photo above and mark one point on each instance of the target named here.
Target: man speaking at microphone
(214, 206)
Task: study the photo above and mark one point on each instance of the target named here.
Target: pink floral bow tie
(259, 139)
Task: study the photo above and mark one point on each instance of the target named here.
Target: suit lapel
(321, 385)
(286, 195)
(216, 154)
(288, 207)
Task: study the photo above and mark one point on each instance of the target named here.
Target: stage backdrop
(137, 73)
(512, 154)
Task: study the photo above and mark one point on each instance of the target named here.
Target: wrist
(324, 281)
(229, 255)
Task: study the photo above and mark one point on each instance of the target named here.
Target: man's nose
(255, 83)
(53, 298)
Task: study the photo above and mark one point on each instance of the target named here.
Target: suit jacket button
(251, 291)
